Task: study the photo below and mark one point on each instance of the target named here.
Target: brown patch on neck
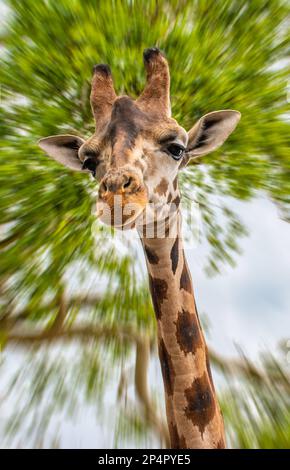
(176, 200)
(185, 279)
(201, 406)
(151, 255)
(188, 332)
(158, 289)
(167, 368)
(162, 187)
(167, 227)
(174, 255)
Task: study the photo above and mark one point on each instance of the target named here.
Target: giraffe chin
(121, 212)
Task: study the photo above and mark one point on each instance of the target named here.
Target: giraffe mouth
(121, 210)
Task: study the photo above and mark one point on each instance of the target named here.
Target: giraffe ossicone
(136, 153)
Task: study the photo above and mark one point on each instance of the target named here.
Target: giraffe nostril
(127, 183)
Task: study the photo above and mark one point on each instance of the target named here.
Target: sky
(249, 304)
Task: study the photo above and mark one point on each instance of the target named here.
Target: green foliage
(222, 54)
(256, 408)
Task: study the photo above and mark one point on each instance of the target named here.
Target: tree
(55, 269)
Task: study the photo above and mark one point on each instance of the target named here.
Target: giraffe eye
(91, 165)
(176, 151)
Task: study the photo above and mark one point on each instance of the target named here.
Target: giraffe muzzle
(122, 198)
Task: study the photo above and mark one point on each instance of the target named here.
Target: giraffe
(135, 154)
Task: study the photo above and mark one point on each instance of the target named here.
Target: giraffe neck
(193, 414)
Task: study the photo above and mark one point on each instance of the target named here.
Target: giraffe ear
(210, 132)
(64, 149)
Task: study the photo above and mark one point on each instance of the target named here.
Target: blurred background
(78, 360)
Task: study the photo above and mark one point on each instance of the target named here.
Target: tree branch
(244, 368)
(10, 320)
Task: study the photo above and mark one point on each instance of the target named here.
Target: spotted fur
(188, 332)
(151, 255)
(167, 368)
(185, 280)
(174, 256)
(162, 187)
(201, 406)
(158, 288)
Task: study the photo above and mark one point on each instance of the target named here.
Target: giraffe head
(137, 148)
